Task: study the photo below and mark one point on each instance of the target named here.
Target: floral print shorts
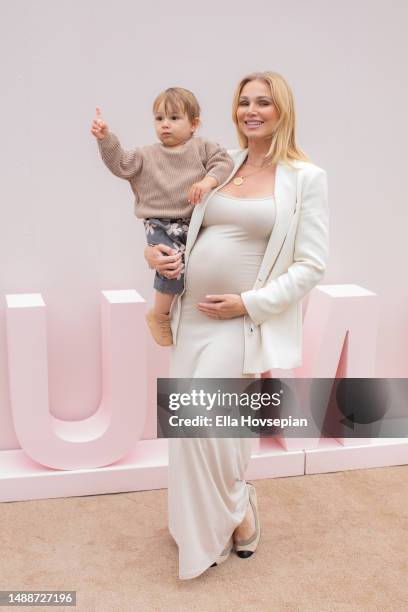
(173, 233)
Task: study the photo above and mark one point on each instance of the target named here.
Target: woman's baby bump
(224, 259)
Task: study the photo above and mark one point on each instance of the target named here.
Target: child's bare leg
(162, 302)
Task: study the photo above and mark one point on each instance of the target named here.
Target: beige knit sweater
(161, 177)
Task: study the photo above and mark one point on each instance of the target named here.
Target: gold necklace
(238, 180)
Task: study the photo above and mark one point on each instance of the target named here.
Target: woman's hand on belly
(223, 306)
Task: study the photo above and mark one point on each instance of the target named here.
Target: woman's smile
(252, 124)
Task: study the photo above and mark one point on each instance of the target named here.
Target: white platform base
(145, 468)
(331, 456)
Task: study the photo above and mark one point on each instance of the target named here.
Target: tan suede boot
(160, 329)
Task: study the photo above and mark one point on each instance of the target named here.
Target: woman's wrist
(243, 307)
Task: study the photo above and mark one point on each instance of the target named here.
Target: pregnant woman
(256, 246)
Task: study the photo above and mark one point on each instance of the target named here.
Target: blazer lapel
(285, 200)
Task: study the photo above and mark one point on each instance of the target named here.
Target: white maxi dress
(207, 494)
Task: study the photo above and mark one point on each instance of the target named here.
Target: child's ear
(195, 124)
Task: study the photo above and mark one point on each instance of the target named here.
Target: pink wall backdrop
(67, 228)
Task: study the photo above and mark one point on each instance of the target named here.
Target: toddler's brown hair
(178, 99)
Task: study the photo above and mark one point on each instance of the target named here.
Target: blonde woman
(256, 246)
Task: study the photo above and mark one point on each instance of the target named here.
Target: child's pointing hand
(99, 128)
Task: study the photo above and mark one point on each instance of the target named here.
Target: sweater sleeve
(216, 161)
(309, 260)
(125, 164)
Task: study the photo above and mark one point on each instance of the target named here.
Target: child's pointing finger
(98, 116)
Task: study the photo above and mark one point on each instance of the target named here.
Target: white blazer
(294, 262)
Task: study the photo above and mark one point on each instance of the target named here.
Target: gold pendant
(238, 180)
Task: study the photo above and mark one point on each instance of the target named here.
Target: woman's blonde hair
(178, 99)
(283, 144)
